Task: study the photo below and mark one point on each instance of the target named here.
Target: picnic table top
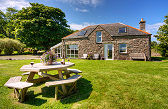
(39, 67)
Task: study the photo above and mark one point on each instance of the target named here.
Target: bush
(19, 47)
(1, 45)
(163, 49)
(10, 45)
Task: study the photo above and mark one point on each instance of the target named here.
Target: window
(58, 51)
(98, 36)
(82, 33)
(122, 30)
(123, 48)
(72, 51)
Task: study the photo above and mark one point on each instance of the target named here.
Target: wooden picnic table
(39, 69)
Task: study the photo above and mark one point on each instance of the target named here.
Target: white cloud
(153, 28)
(81, 10)
(83, 2)
(17, 4)
(95, 2)
(80, 26)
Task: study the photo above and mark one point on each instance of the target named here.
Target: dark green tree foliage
(2, 24)
(40, 26)
(162, 37)
(9, 19)
(7, 27)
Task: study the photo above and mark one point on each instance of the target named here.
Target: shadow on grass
(48, 92)
(159, 58)
(84, 89)
(32, 100)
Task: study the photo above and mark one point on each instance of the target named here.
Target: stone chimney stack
(142, 24)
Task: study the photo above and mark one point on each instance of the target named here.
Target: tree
(6, 23)
(39, 26)
(3, 24)
(10, 12)
(153, 44)
(162, 37)
(9, 18)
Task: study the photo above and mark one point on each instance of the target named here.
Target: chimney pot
(141, 19)
(142, 24)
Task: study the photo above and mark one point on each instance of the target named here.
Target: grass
(105, 84)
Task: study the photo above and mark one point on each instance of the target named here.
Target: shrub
(10, 45)
(19, 47)
(1, 45)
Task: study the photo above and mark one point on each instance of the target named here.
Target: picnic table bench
(20, 88)
(13, 79)
(72, 80)
(69, 71)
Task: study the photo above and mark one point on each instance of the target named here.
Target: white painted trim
(119, 47)
(71, 51)
(112, 51)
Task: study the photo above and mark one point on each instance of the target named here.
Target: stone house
(114, 41)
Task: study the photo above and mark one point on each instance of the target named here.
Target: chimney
(142, 24)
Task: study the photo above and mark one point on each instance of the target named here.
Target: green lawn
(105, 84)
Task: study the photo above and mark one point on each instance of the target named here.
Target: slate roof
(112, 29)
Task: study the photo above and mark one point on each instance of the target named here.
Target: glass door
(108, 51)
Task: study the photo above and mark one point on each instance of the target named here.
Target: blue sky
(81, 13)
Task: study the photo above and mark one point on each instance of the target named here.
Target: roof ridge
(85, 28)
(105, 29)
(135, 28)
(103, 24)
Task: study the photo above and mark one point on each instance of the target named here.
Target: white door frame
(105, 51)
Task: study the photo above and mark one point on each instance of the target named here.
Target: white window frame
(71, 55)
(120, 48)
(99, 36)
(58, 53)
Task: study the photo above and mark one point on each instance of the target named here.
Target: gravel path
(19, 57)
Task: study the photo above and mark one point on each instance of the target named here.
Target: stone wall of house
(135, 44)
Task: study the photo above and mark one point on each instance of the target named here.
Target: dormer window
(122, 30)
(98, 36)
